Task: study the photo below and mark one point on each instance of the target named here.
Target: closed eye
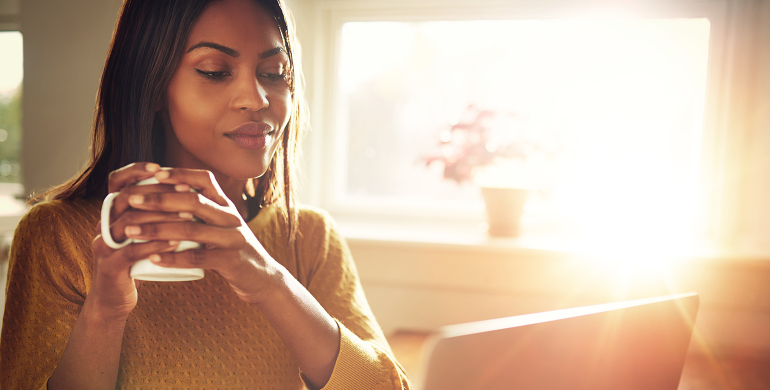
(273, 76)
(215, 76)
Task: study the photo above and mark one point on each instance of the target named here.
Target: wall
(65, 45)
(9, 14)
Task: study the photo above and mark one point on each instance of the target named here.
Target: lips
(251, 135)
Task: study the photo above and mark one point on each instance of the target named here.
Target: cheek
(286, 104)
(191, 111)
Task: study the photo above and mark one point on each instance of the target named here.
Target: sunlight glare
(619, 100)
(11, 71)
(379, 46)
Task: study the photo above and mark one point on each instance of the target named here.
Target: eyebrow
(272, 52)
(234, 53)
(224, 49)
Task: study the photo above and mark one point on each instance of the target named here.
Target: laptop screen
(630, 345)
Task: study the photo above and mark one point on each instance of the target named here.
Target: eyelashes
(215, 76)
(218, 76)
(274, 76)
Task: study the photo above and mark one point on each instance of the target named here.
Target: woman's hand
(113, 293)
(230, 247)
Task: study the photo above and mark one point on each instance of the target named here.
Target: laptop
(630, 345)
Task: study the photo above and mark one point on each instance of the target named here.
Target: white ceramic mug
(145, 269)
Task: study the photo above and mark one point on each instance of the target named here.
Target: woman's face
(228, 101)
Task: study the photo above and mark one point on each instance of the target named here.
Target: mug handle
(106, 235)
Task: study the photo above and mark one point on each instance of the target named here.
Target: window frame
(9, 15)
(326, 150)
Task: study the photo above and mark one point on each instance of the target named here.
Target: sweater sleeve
(47, 279)
(365, 360)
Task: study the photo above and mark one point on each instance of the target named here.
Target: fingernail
(173, 243)
(162, 175)
(154, 258)
(136, 199)
(152, 167)
(133, 230)
(182, 188)
(185, 215)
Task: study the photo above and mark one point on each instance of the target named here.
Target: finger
(108, 260)
(134, 217)
(188, 231)
(130, 174)
(130, 254)
(120, 203)
(201, 180)
(213, 259)
(192, 203)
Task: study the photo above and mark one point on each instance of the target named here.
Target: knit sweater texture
(185, 335)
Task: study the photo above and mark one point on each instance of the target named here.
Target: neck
(234, 190)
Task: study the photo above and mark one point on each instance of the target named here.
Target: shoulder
(316, 227)
(51, 247)
(311, 221)
(321, 244)
(51, 210)
(312, 218)
(63, 208)
(64, 217)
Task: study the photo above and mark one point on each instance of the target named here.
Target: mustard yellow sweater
(185, 335)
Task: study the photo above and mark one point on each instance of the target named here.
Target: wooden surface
(700, 372)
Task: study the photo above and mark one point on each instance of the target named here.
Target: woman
(209, 88)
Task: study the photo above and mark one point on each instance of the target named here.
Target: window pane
(615, 107)
(11, 71)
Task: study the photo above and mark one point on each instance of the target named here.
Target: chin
(245, 171)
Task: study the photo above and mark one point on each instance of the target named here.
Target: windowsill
(424, 277)
(473, 237)
(11, 208)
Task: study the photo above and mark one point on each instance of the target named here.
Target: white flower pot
(504, 209)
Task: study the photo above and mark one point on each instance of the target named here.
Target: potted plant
(486, 148)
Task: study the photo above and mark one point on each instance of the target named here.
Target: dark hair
(146, 47)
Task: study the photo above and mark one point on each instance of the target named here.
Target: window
(615, 106)
(11, 71)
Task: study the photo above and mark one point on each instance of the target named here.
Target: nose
(250, 95)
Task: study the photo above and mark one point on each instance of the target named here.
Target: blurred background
(639, 132)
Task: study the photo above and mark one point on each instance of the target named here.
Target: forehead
(239, 24)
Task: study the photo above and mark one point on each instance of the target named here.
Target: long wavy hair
(146, 47)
